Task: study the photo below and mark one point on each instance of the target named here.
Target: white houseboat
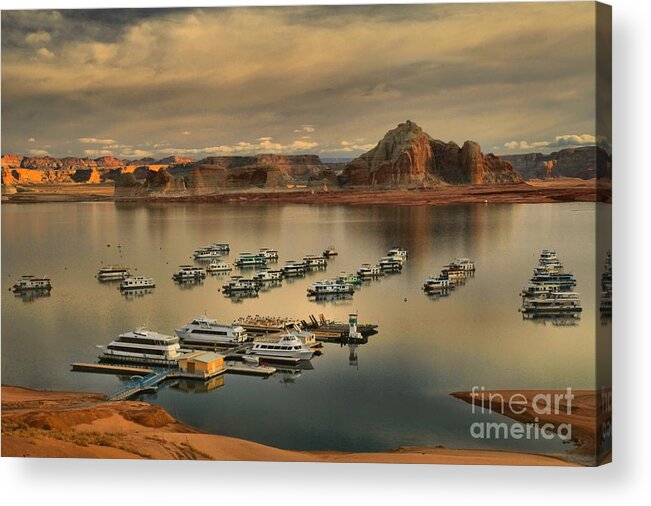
(218, 267)
(189, 272)
(554, 302)
(293, 268)
(390, 264)
(28, 282)
(137, 283)
(269, 275)
(398, 252)
(369, 271)
(315, 261)
(113, 273)
(269, 253)
(250, 260)
(329, 287)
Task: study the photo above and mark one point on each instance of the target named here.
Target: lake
(391, 392)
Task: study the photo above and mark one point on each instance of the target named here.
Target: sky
(327, 80)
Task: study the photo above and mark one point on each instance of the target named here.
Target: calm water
(397, 392)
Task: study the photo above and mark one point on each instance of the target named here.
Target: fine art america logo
(531, 413)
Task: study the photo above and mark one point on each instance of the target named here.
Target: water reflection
(32, 295)
(137, 293)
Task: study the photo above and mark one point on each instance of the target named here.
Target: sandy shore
(562, 190)
(81, 425)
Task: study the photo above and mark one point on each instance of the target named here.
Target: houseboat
(28, 282)
(369, 271)
(250, 260)
(206, 254)
(398, 252)
(563, 280)
(218, 267)
(239, 284)
(554, 302)
(143, 346)
(465, 264)
(539, 290)
(269, 253)
(221, 247)
(390, 264)
(284, 345)
(434, 283)
(330, 252)
(329, 287)
(112, 273)
(315, 261)
(188, 272)
(137, 283)
(349, 279)
(265, 275)
(293, 268)
(204, 330)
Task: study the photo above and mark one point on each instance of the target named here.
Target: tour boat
(32, 283)
(390, 264)
(268, 253)
(188, 272)
(315, 261)
(553, 303)
(204, 330)
(369, 271)
(285, 345)
(330, 252)
(293, 268)
(137, 283)
(143, 345)
(269, 275)
(398, 252)
(218, 267)
(329, 287)
(239, 284)
(113, 272)
(250, 260)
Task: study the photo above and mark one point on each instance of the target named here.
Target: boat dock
(124, 370)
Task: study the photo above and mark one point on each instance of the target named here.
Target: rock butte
(584, 163)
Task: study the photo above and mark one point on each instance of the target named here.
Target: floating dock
(124, 370)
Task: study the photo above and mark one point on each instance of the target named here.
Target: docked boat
(250, 260)
(204, 330)
(555, 302)
(112, 273)
(188, 272)
(465, 264)
(563, 280)
(266, 324)
(137, 283)
(284, 345)
(239, 284)
(369, 271)
(539, 290)
(330, 252)
(265, 275)
(218, 267)
(434, 283)
(222, 247)
(293, 268)
(349, 279)
(315, 261)
(390, 264)
(269, 253)
(28, 282)
(329, 287)
(398, 252)
(206, 254)
(143, 345)
(548, 254)
(456, 276)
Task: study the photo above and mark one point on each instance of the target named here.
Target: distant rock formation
(586, 162)
(407, 156)
(224, 173)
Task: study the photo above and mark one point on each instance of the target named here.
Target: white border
(627, 480)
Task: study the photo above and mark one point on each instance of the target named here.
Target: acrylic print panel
(366, 234)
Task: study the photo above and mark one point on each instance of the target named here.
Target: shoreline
(84, 425)
(565, 190)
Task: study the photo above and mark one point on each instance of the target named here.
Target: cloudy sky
(325, 80)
